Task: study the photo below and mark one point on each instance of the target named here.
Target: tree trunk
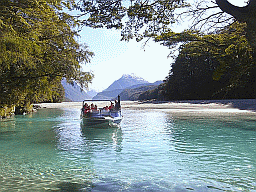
(245, 14)
(242, 14)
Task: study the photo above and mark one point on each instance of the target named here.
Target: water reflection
(76, 138)
(108, 137)
(84, 149)
(153, 150)
(28, 159)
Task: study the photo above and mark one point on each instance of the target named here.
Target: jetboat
(106, 116)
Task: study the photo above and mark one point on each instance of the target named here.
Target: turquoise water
(152, 150)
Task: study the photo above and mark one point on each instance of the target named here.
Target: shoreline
(235, 105)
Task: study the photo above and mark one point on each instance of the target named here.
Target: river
(151, 150)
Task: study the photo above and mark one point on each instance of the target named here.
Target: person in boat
(106, 108)
(111, 107)
(94, 108)
(86, 108)
(117, 105)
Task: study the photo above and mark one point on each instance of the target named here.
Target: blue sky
(113, 57)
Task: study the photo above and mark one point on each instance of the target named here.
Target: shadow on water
(74, 187)
(34, 128)
(110, 185)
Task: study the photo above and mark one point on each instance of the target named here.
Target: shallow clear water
(152, 150)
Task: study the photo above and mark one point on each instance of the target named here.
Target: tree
(149, 18)
(212, 15)
(137, 19)
(212, 66)
(245, 14)
(38, 48)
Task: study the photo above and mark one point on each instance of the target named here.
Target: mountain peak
(128, 75)
(131, 76)
(127, 80)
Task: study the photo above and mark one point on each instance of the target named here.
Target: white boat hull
(99, 119)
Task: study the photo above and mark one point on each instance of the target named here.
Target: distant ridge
(133, 93)
(127, 80)
(129, 87)
(74, 93)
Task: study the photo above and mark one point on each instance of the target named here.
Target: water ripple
(152, 150)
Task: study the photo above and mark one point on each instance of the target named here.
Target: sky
(113, 57)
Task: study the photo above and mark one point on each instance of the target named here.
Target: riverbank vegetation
(209, 66)
(216, 57)
(217, 65)
(38, 48)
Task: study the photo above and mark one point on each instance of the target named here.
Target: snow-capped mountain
(126, 81)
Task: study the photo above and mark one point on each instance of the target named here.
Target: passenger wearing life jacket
(86, 108)
(111, 106)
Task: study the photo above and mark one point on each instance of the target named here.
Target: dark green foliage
(191, 78)
(137, 19)
(57, 95)
(154, 94)
(213, 66)
(38, 48)
(135, 93)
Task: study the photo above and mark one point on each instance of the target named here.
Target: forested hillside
(39, 46)
(214, 66)
(134, 93)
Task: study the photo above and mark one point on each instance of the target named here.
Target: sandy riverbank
(240, 105)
